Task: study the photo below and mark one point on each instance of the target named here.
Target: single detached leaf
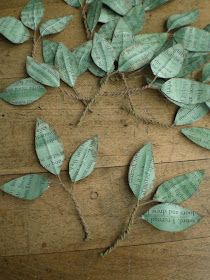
(75, 3)
(179, 20)
(107, 15)
(206, 73)
(13, 29)
(95, 70)
(141, 174)
(107, 29)
(66, 63)
(135, 57)
(93, 14)
(193, 39)
(83, 161)
(171, 217)
(49, 49)
(186, 91)
(121, 7)
(168, 63)
(103, 53)
(190, 114)
(198, 135)
(43, 73)
(135, 18)
(49, 148)
(23, 92)
(150, 5)
(83, 55)
(56, 25)
(32, 13)
(26, 187)
(179, 188)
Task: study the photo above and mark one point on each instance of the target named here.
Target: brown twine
(79, 212)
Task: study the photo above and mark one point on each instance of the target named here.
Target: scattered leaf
(49, 51)
(150, 5)
(206, 73)
(83, 54)
(32, 13)
(93, 14)
(198, 135)
(107, 29)
(121, 7)
(154, 39)
(179, 20)
(95, 70)
(135, 18)
(107, 15)
(54, 26)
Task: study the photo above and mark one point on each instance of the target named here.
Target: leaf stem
(84, 17)
(150, 84)
(35, 43)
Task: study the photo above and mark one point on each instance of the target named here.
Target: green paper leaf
(42, 73)
(75, 3)
(179, 20)
(107, 29)
(154, 39)
(49, 49)
(193, 39)
(95, 70)
(171, 217)
(107, 15)
(206, 73)
(168, 63)
(121, 7)
(135, 57)
(82, 54)
(66, 63)
(191, 114)
(141, 174)
(83, 160)
(102, 53)
(179, 188)
(135, 18)
(54, 26)
(13, 29)
(198, 135)
(28, 187)
(186, 91)
(150, 5)
(49, 148)
(32, 13)
(93, 14)
(23, 92)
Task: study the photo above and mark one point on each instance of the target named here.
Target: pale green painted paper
(135, 18)
(23, 92)
(179, 188)
(103, 53)
(168, 63)
(193, 39)
(198, 135)
(179, 20)
(121, 7)
(75, 3)
(150, 5)
(191, 114)
(171, 217)
(107, 15)
(28, 187)
(206, 73)
(42, 73)
(32, 13)
(66, 63)
(49, 49)
(95, 70)
(54, 26)
(93, 14)
(82, 54)
(49, 148)
(154, 39)
(107, 29)
(141, 174)
(14, 30)
(186, 91)
(83, 161)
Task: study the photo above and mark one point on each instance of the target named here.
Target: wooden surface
(43, 239)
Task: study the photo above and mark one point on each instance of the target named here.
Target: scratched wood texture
(43, 239)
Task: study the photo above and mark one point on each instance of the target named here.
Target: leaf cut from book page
(135, 18)
(121, 7)
(107, 15)
(32, 13)
(198, 135)
(54, 26)
(150, 5)
(93, 14)
(49, 49)
(107, 29)
(83, 56)
(180, 20)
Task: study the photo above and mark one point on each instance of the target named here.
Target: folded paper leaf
(141, 174)
(28, 187)
(54, 26)
(180, 188)
(95, 70)
(198, 135)
(180, 20)
(83, 161)
(107, 29)
(107, 15)
(150, 5)
(49, 148)
(93, 14)
(135, 18)
(121, 7)
(158, 39)
(171, 217)
(49, 49)
(83, 56)
(32, 13)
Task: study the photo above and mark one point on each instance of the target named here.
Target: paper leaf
(93, 14)
(23, 92)
(66, 63)
(171, 217)
(186, 91)
(42, 73)
(121, 7)
(32, 13)
(107, 29)
(157, 39)
(206, 73)
(102, 53)
(95, 70)
(168, 63)
(49, 148)
(135, 18)
(82, 54)
(107, 15)
(135, 57)
(191, 114)
(13, 30)
(150, 5)
(54, 26)
(28, 187)
(198, 135)
(157, 84)
(179, 188)
(49, 51)
(83, 161)
(179, 20)
(141, 174)
(75, 3)
(193, 39)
